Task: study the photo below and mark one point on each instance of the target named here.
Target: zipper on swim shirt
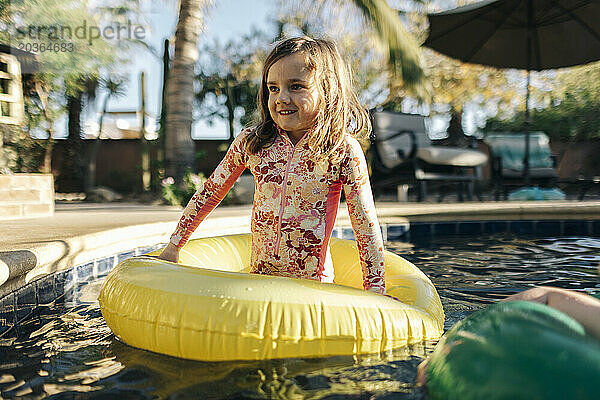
(282, 206)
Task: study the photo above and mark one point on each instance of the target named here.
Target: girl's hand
(170, 253)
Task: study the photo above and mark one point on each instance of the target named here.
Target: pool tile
(68, 297)
(59, 287)
(549, 228)
(64, 280)
(420, 231)
(7, 312)
(104, 265)
(348, 233)
(575, 228)
(25, 301)
(397, 232)
(495, 226)
(85, 272)
(158, 246)
(596, 227)
(522, 227)
(145, 250)
(445, 228)
(470, 228)
(45, 288)
(125, 255)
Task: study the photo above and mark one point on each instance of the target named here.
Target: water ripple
(68, 350)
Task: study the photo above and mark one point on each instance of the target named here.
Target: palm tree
(403, 51)
(179, 146)
(403, 58)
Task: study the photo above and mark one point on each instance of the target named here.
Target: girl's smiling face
(293, 95)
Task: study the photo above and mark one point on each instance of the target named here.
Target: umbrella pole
(530, 37)
(526, 175)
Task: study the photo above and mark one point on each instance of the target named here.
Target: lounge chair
(402, 154)
(508, 151)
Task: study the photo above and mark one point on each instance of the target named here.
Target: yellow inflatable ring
(209, 308)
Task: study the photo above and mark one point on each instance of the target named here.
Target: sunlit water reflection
(68, 350)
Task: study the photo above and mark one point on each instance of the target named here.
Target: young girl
(302, 153)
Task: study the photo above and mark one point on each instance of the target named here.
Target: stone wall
(26, 196)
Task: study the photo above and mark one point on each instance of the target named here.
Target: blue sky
(225, 20)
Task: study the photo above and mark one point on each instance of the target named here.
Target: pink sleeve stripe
(331, 209)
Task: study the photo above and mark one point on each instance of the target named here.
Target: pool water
(66, 350)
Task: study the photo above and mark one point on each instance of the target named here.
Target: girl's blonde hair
(339, 110)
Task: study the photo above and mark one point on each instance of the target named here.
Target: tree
(67, 72)
(403, 52)
(455, 84)
(384, 56)
(404, 63)
(358, 47)
(229, 79)
(179, 147)
(81, 87)
(568, 108)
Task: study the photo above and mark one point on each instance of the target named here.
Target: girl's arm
(361, 207)
(208, 196)
(581, 307)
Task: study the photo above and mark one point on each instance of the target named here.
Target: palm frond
(114, 85)
(405, 63)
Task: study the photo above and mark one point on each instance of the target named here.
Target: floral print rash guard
(295, 206)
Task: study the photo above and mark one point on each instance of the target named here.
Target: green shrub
(180, 195)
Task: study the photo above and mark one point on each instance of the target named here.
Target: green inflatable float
(515, 350)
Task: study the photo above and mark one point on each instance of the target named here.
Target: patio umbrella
(523, 34)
